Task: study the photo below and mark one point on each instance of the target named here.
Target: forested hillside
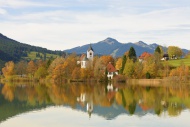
(11, 50)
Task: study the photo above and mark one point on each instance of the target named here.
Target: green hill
(11, 50)
(178, 62)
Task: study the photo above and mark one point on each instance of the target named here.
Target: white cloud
(66, 28)
(2, 11)
(23, 3)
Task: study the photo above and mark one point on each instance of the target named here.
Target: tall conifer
(132, 54)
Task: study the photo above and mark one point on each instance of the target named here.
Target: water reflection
(107, 100)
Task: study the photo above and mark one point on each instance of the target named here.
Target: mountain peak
(110, 41)
(141, 43)
(111, 46)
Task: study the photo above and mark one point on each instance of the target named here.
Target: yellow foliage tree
(8, 70)
(84, 73)
(118, 64)
(174, 51)
(150, 67)
(129, 68)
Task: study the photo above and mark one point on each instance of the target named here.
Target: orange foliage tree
(76, 73)
(182, 72)
(31, 68)
(106, 59)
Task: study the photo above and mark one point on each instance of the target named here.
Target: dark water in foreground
(94, 105)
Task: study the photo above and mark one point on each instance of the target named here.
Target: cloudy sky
(63, 24)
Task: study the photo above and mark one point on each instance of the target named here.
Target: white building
(86, 59)
(90, 53)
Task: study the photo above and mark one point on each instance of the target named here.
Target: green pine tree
(132, 54)
(157, 50)
(124, 59)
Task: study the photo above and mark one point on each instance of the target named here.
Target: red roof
(111, 68)
(83, 57)
(144, 54)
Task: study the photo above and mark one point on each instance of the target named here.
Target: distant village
(87, 59)
(103, 68)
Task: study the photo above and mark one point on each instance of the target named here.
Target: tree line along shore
(129, 66)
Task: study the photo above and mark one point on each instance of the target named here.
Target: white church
(86, 58)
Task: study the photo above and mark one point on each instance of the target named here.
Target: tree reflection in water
(172, 99)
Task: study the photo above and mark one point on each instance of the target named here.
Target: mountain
(11, 50)
(111, 46)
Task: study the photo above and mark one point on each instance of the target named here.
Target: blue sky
(63, 24)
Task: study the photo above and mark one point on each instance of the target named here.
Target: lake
(94, 105)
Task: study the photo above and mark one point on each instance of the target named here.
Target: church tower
(90, 53)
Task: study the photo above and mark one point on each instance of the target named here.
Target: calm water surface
(94, 105)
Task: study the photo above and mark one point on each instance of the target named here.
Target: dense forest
(11, 50)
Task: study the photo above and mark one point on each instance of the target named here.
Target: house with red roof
(143, 56)
(111, 71)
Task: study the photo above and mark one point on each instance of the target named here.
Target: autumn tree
(8, 70)
(69, 65)
(138, 70)
(150, 67)
(20, 68)
(40, 63)
(106, 59)
(84, 73)
(118, 64)
(41, 73)
(99, 68)
(174, 51)
(31, 68)
(52, 65)
(129, 68)
(166, 69)
(182, 72)
(64, 70)
(76, 73)
(58, 73)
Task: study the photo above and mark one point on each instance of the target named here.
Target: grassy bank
(178, 62)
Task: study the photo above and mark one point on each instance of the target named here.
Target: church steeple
(90, 53)
(90, 48)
